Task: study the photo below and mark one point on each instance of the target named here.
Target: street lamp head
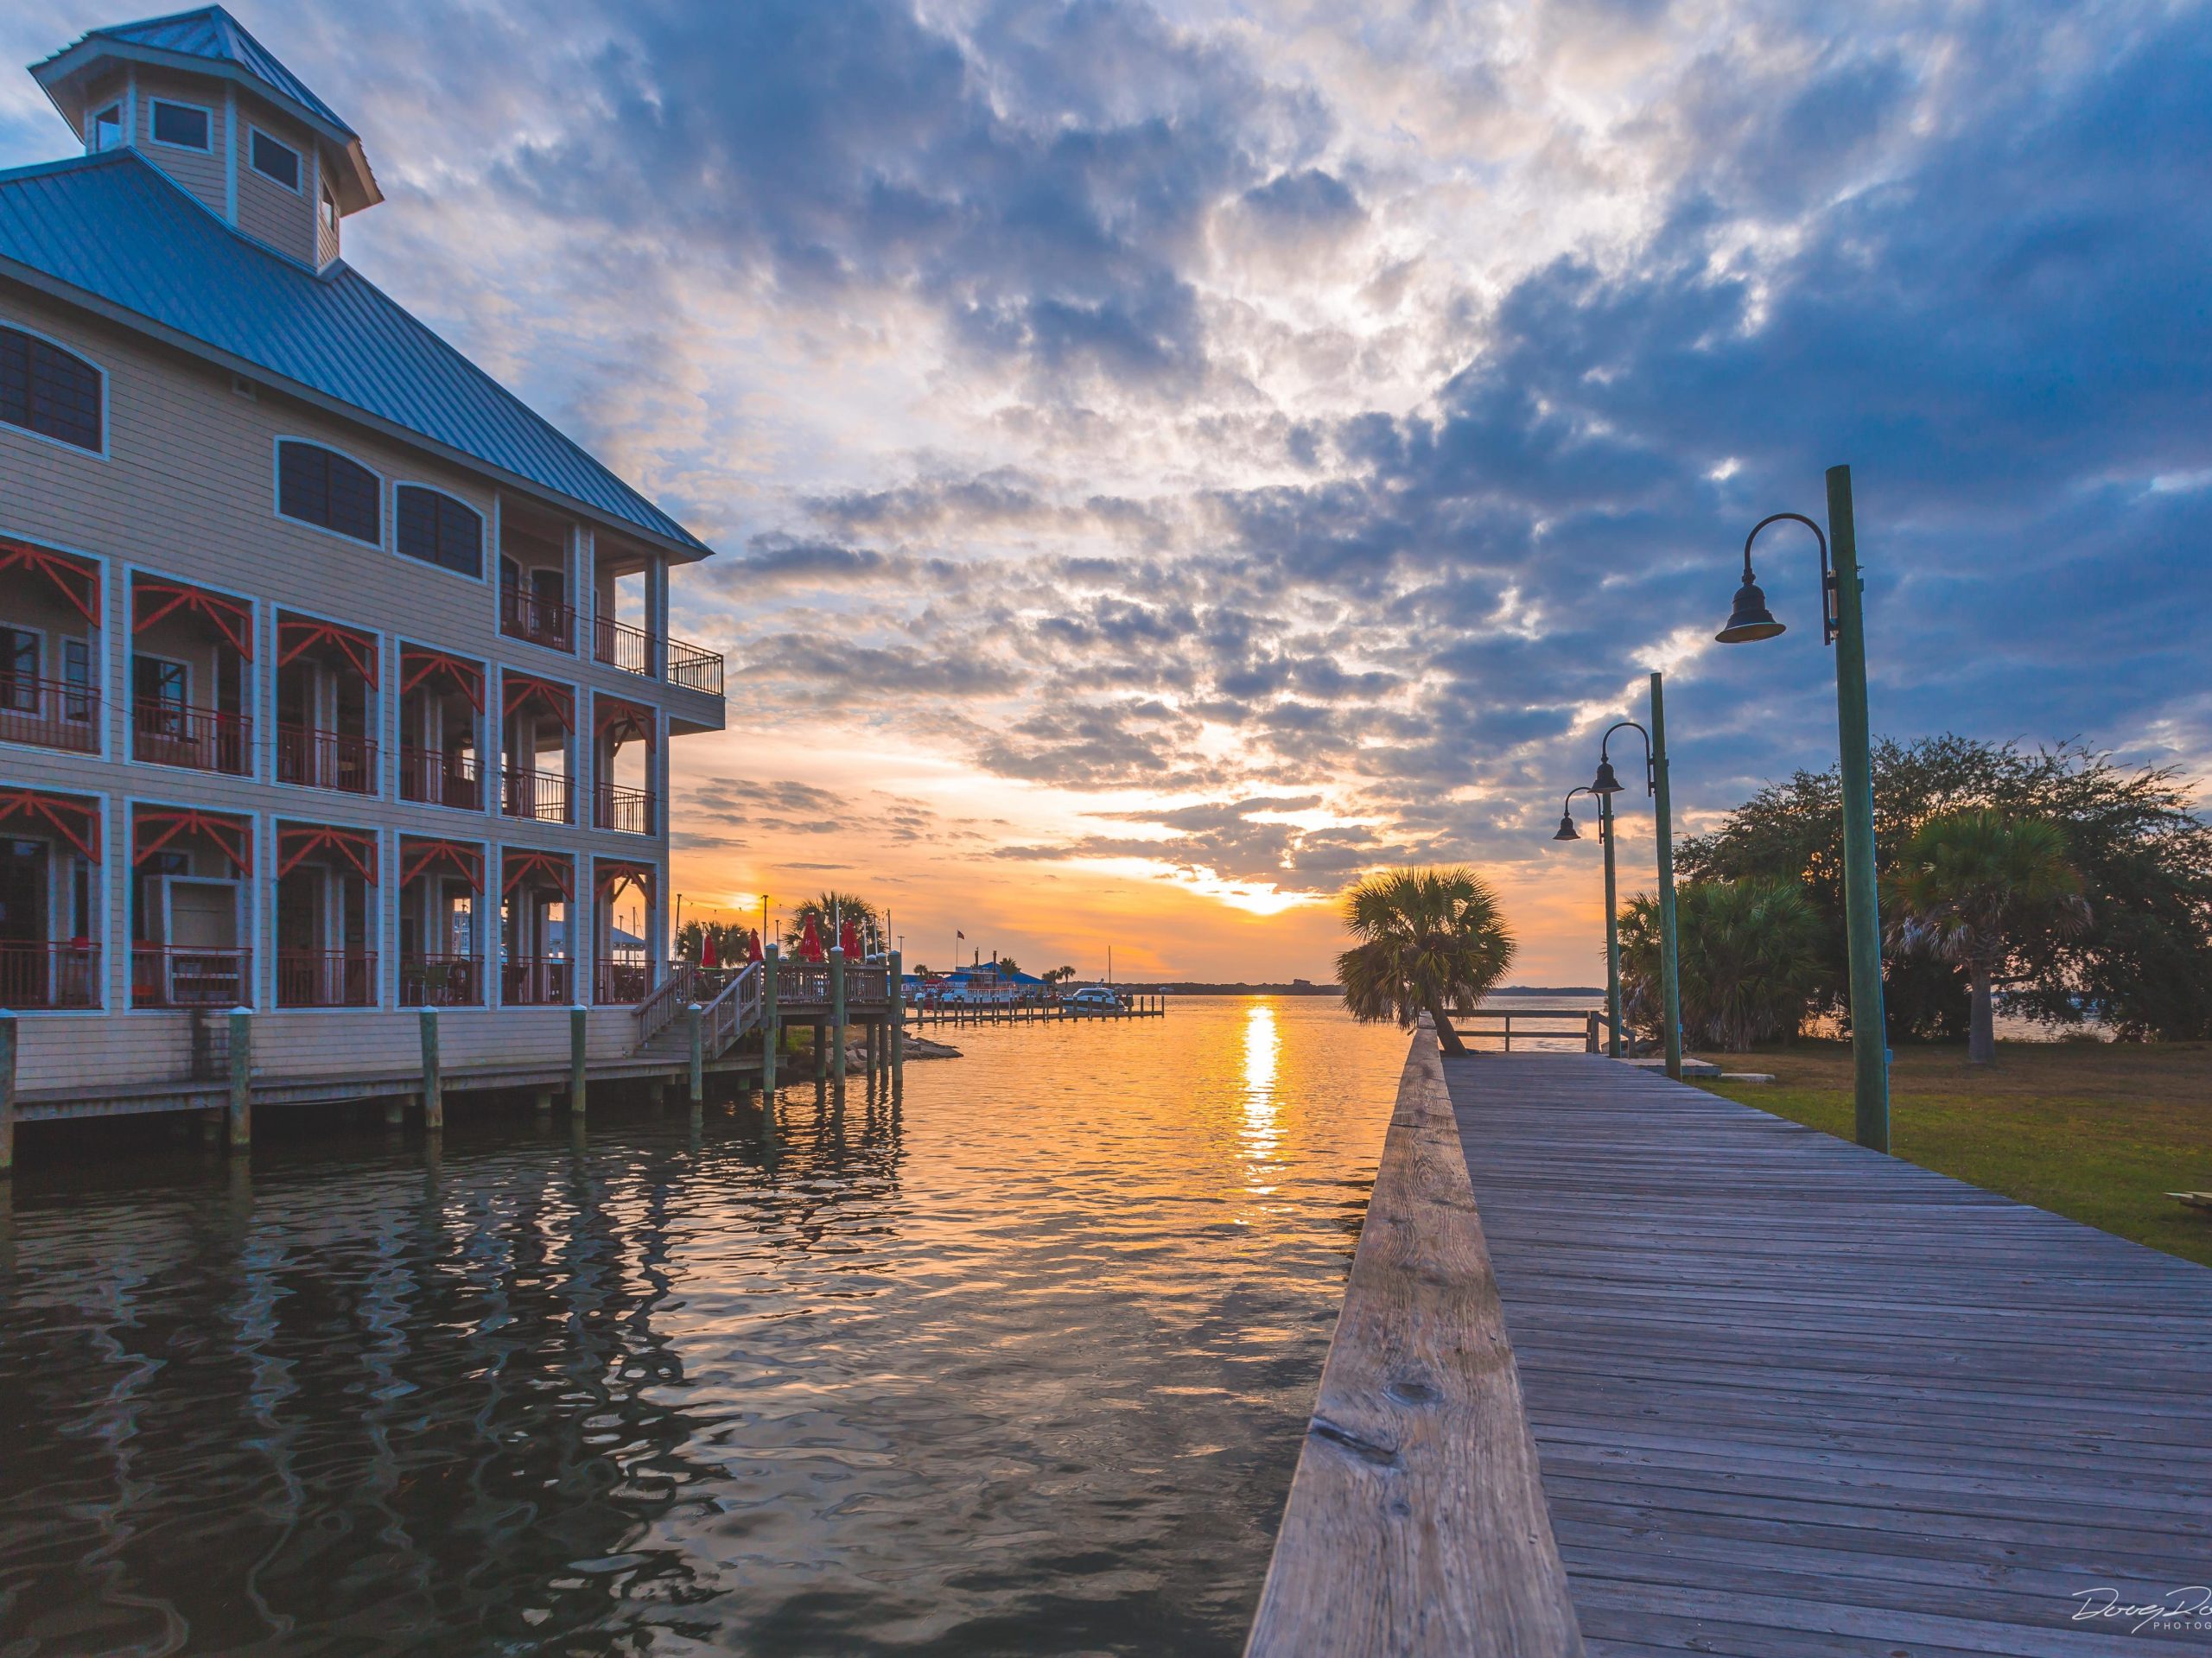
(1606, 783)
(1749, 618)
(1566, 830)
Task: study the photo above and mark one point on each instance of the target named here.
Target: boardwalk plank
(1794, 1399)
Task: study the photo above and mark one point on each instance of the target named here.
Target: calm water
(1023, 1368)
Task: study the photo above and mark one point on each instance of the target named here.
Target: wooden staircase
(732, 1008)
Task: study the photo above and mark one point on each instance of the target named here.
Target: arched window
(439, 529)
(46, 390)
(319, 486)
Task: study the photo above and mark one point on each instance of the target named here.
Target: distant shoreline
(1304, 987)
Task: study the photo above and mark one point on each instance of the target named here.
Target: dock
(1135, 1004)
(1787, 1396)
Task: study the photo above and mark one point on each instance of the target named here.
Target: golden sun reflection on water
(1262, 1125)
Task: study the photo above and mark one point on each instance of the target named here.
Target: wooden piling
(395, 1111)
(821, 1051)
(542, 1101)
(772, 1029)
(579, 1057)
(837, 1011)
(695, 1031)
(434, 1082)
(897, 986)
(7, 1094)
(241, 1105)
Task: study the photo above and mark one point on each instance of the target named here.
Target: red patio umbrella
(810, 944)
(753, 951)
(849, 938)
(710, 954)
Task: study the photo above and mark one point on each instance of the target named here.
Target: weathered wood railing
(1583, 1022)
(669, 1000)
(1416, 1523)
(734, 1010)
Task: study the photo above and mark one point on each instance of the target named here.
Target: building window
(18, 669)
(107, 130)
(330, 214)
(438, 530)
(77, 674)
(277, 161)
(320, 487)
(185, 125)
(46, 390)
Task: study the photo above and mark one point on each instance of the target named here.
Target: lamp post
(1568, 832)
(1843, 625)
(1606, 786)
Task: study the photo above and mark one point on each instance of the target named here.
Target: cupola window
(187, 126)
(46, 390)
(274, 159)
(107, 129)
(319, 486)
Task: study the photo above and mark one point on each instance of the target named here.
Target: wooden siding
(267, 211)
(1794, 1399)
(199, 172)
(189, 494)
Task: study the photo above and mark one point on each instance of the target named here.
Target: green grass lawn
(2101, 1133)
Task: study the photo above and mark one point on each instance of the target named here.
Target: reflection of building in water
(429, 1407)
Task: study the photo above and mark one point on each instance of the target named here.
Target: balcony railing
(536, 982)
(621, 807)
(540, 795)
(49, 713)
(326, 978)
(621, 983)
(439, 778)
(694, 667)
(620, 644)
(440, 982)
(59, 975)
(177, 733)
(166, 977)
(325, 759)
(542, 621)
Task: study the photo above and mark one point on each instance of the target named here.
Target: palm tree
(1968, 885)
(826, 909)
(1432, 941)
(1747, 961)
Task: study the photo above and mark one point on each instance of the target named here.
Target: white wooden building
(334, 682)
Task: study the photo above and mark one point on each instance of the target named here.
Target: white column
(656, 616)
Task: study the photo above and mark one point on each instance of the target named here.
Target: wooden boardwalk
(1792, 1397)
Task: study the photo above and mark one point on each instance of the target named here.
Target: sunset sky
(1165, 458)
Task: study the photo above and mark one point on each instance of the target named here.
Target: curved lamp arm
(1828, 622)
(1650, 771)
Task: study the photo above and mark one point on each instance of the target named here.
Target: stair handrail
(734, 1010)
(670, 998)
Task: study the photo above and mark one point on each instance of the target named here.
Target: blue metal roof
(114, 227)
(212, 34)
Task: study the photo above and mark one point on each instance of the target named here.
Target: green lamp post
(1605, 786)
(1568, 832)
(1843, 625)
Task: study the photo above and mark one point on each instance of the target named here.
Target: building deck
(1793, 1397)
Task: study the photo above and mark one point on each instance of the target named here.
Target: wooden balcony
(621, 984)
(326, 978)
(541, 621)
(49, 714)
(164, 977)
(438, 779)
(325, 759)
(632, 811)
(651, 656)
(204, 739)
(36, 977)
(529, 981)
(440, 982)
(542, 796)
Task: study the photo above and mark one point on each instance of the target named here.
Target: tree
(1975, 887)
(1005, 965)
(1432, 941)
(825, 911)
(1747, 958)
(2144, 963)
(730, 940)
(1059, 974)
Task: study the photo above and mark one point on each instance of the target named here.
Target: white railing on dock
(1416, 1523)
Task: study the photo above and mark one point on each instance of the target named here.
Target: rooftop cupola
(202, 99)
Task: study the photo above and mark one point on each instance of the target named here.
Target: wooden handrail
(659, 1011)
(1416, 1522)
